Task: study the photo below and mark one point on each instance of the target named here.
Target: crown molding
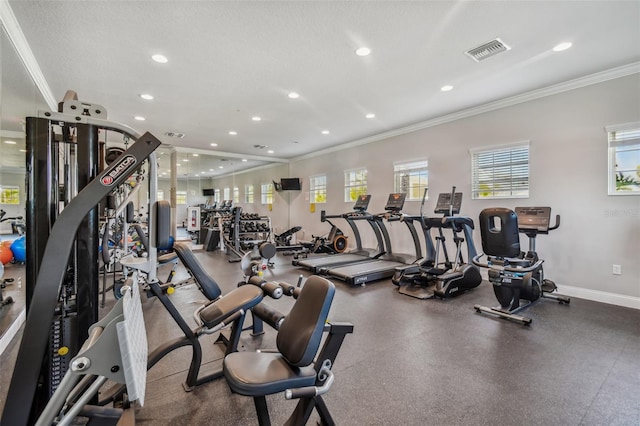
(14, 31)
(600, 77)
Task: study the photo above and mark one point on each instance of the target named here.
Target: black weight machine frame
(62, 245)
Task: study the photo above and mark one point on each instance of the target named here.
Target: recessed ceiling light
(10, 142)
(161, 59)
(196, 155)
(370, 115)
(233, 132)
(446, 88)
(562, 46)
(185, 160)
(256, 118)
(23, 150)
(178, 164)
(270, 151)
(294, 95)
(325, 132)
(221, 167)
(139, 118)
(363, 51)
(244, 160)
(210, 170)
(214, 144)
(197, 175)
(146, 96)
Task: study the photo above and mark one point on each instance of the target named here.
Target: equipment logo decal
(120, 168)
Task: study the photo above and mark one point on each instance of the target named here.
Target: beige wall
(568, 172)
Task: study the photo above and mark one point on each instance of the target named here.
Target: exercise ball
(19, 249)
(5, 254)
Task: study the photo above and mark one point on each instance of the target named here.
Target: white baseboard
(12, 330)
(600, 296)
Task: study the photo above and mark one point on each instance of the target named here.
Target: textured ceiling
(231, 60)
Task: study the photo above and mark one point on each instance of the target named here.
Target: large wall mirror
(19, 98)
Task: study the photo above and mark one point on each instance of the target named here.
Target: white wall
(281, 200)
(568, 172)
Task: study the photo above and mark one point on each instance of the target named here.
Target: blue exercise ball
(168, 246)
(19, 249)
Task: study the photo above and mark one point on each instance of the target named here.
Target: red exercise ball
(5, 254)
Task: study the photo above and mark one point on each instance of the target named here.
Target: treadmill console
(395, 203)
(534, 218)
(362, 203)
(444, 205)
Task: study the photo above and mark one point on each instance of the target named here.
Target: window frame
(266, 197)
(350, 185)
(236, 194)
(419, 166)
(498, 150)
(248, 193)
(181, 195)
(10, 195)
(631, 141)
(317, 191)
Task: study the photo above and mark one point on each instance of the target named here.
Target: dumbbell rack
(242, 230)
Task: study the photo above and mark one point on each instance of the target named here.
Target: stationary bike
(515, 275)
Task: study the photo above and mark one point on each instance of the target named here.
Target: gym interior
(370, 213)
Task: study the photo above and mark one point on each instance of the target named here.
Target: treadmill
(320, 262)
(384, 265)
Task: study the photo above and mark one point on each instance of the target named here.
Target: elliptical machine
(448, 277)
(515, 275)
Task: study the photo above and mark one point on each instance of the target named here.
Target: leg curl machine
(515, 275)
(294, 369)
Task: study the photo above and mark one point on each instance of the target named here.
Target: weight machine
(65, 185)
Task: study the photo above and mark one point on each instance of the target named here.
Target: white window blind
(248, 193)
(624, 159)
(500, 172)
(355, 184)
(411, 178)
(266, 193)
(318, 189)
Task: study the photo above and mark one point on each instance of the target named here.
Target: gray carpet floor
(416, 362)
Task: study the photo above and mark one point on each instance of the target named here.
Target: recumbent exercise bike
(515, 275)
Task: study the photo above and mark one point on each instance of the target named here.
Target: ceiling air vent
(175, 135)
(487, 50)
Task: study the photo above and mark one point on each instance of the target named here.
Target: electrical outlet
(617, 270)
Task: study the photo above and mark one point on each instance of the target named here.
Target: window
(624, 159)
(248, 193)
(355, 184)
(216, 195)
(236, 194)
(181, 197)
(411, 178)
(318, 189)
(160, 195)
(501, 172)
(226, 194)
(9, 195)
(266, 193)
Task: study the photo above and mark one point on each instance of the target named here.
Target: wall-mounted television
(208, 192)
(290, 184)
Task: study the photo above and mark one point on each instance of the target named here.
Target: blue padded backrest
(499, 230)
(300, 334)
(208, 286)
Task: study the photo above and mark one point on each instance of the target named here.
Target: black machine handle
(557, 224)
